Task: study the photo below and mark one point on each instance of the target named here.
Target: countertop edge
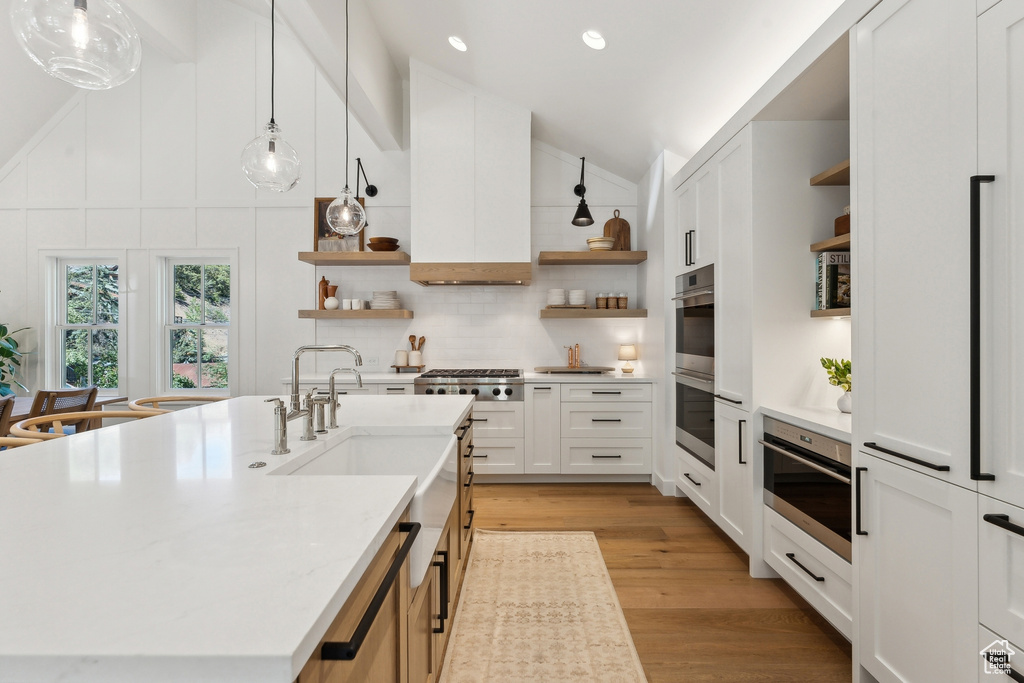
(824, 421)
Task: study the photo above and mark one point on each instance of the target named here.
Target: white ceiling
(673, 72)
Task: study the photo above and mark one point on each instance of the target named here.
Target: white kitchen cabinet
(498, 437)
(698, 482)
(606, 456)
(498, 456)
(605, 392)
(543, 429)
(685, 197)
(915, 149)
(734, 449)
(614, 420)
(498, 419)
(394, 389)
(986, 640)
(1001, 154)
(470, 181)
(697, 218)
(1001, 568)
(917, 569)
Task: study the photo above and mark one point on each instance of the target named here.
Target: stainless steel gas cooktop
(485, 384)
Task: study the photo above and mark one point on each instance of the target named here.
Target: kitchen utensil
(419, 347)
(412, 341)
(618, 229)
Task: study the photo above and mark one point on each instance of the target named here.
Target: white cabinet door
(697, 482)
(915, 132)
(1001, 568)
(704, 242)
(686, 221)
(733, 455)
(498, 456)
(918, 576)
(543, 429)
(1001, 154)
(733, 272)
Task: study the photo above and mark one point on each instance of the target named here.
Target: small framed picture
(325, 239)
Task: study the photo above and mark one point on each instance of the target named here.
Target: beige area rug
(539, 606)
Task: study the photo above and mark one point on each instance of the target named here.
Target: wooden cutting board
(619, 229)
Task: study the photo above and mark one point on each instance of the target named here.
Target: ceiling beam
(168, 26)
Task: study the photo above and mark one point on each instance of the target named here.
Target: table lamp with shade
(627, 352)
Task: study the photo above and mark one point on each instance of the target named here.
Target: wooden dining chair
(6, 408)
(63, 401)
(153, 402)
(7, 442)
(46, 427)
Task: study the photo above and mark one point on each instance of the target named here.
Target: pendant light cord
(346, 94)
(273, 21)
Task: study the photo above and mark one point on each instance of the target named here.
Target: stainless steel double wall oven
(695, 363)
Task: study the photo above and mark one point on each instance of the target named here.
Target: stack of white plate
(577, 297)
(556, 297)
(386, 300)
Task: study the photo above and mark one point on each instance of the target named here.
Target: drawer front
(586, 420)
(498, 456)
(606, 456)
(353, 390)
(786, 548)
(1001, 569)
(607, 392)
(994, 644)
(394, 389)
(698, 482)
(504, 420)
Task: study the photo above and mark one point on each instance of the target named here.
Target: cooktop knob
(441, 391)
(508, 392)
(475, 392)
(462, 391)
(496, 392)
(430, 391)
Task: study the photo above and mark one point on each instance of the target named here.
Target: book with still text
(832, 280)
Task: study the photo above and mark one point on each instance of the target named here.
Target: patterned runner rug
(539, 606)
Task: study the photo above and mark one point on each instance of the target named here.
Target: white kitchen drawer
(990, 641)
(494, 419)
(785, 545)
(1001, 571)
(606, 456)
(394, 389)
(606, 392)
(697, 481)
(498, 456)
(588, 420)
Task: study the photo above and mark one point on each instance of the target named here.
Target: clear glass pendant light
(90, 44)
(345, 215)
(269, 162)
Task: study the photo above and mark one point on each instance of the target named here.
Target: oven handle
(696, 380)
(804, 461)
(692, 295)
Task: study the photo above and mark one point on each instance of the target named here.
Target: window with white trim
(88, 323)
(197, 328)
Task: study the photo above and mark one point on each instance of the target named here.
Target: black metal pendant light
(582, 217)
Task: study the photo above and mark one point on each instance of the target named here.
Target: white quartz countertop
(585, 377)
(826, 421)
(367, 377)
(150, 551)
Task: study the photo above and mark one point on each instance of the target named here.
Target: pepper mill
(322, 290)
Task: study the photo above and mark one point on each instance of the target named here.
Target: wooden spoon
(412, 341)
(419, 347)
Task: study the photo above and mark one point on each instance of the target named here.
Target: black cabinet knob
(496, 392)
(462, 391)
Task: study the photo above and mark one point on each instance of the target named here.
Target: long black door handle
(686, 248)
(916, 461)
(687, 475)
(1009, 670)
(739, 430)
(443, 566)
(469, 480)
(469, 451)
(792, 556)
(976, 473)
(469, 524)
(606, 457)
(347, 651)
(856, 499)
(693, 249)
(605, 419)
(1003, 522)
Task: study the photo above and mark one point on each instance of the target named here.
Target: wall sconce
(371, 190)
(582, 217)
(627, 352)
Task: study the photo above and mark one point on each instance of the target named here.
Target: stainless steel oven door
(695, 416)
(695, 321)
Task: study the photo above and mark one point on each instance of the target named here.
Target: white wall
(153, 166)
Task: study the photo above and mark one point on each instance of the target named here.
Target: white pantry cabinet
(1001, 154)
(498, 437)
(734, 450)
(543, 428)
(697, 219)
(917, 569)
(914, 126)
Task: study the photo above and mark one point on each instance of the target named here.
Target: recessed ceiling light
(457, 43)
(593, 39)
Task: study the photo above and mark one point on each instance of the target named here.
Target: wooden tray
(585, 370)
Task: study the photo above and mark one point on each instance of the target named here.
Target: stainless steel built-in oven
(695, 363)
(807, 481)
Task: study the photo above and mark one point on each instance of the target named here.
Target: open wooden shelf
(355, 258)
(593, 313)
(832, 243)
(591, 258)
(362, 314)
(832, 313)
(837, 175)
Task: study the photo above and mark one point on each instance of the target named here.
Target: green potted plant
(840, 375)
(10, 360)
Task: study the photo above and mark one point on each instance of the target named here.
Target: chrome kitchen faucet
(334, 392)
(319, 348)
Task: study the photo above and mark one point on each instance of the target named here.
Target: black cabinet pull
(464, 430)
(394, 389)
(605, 419)
(478, 419)
(469, 524)
(608, 457)
(792, 556)
(443, 566)
(347, 651)
(730, 400)
(469, 451)
(916, 461)
(686, 248)
(856, 499)
(480, 456)
(542, 388)
(1009, 670)
(469, 480)
(1003, 522)
(606, 393)
(976, 473)
(739, 431)
(695, 482)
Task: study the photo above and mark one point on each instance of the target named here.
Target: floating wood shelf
(832, 243)
(362, 314)
(591, 258)
(355, 258)
(593, 313)
(832, 313)
(837, 175)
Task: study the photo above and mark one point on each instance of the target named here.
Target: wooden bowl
(383, 240)
(601, 243)
(383, 246)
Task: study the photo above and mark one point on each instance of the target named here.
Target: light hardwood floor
(694, 612)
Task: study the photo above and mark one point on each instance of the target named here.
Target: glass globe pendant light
(345, 215)
(269, 162)
(90, 44)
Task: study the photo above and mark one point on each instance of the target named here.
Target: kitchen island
(151, 551)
